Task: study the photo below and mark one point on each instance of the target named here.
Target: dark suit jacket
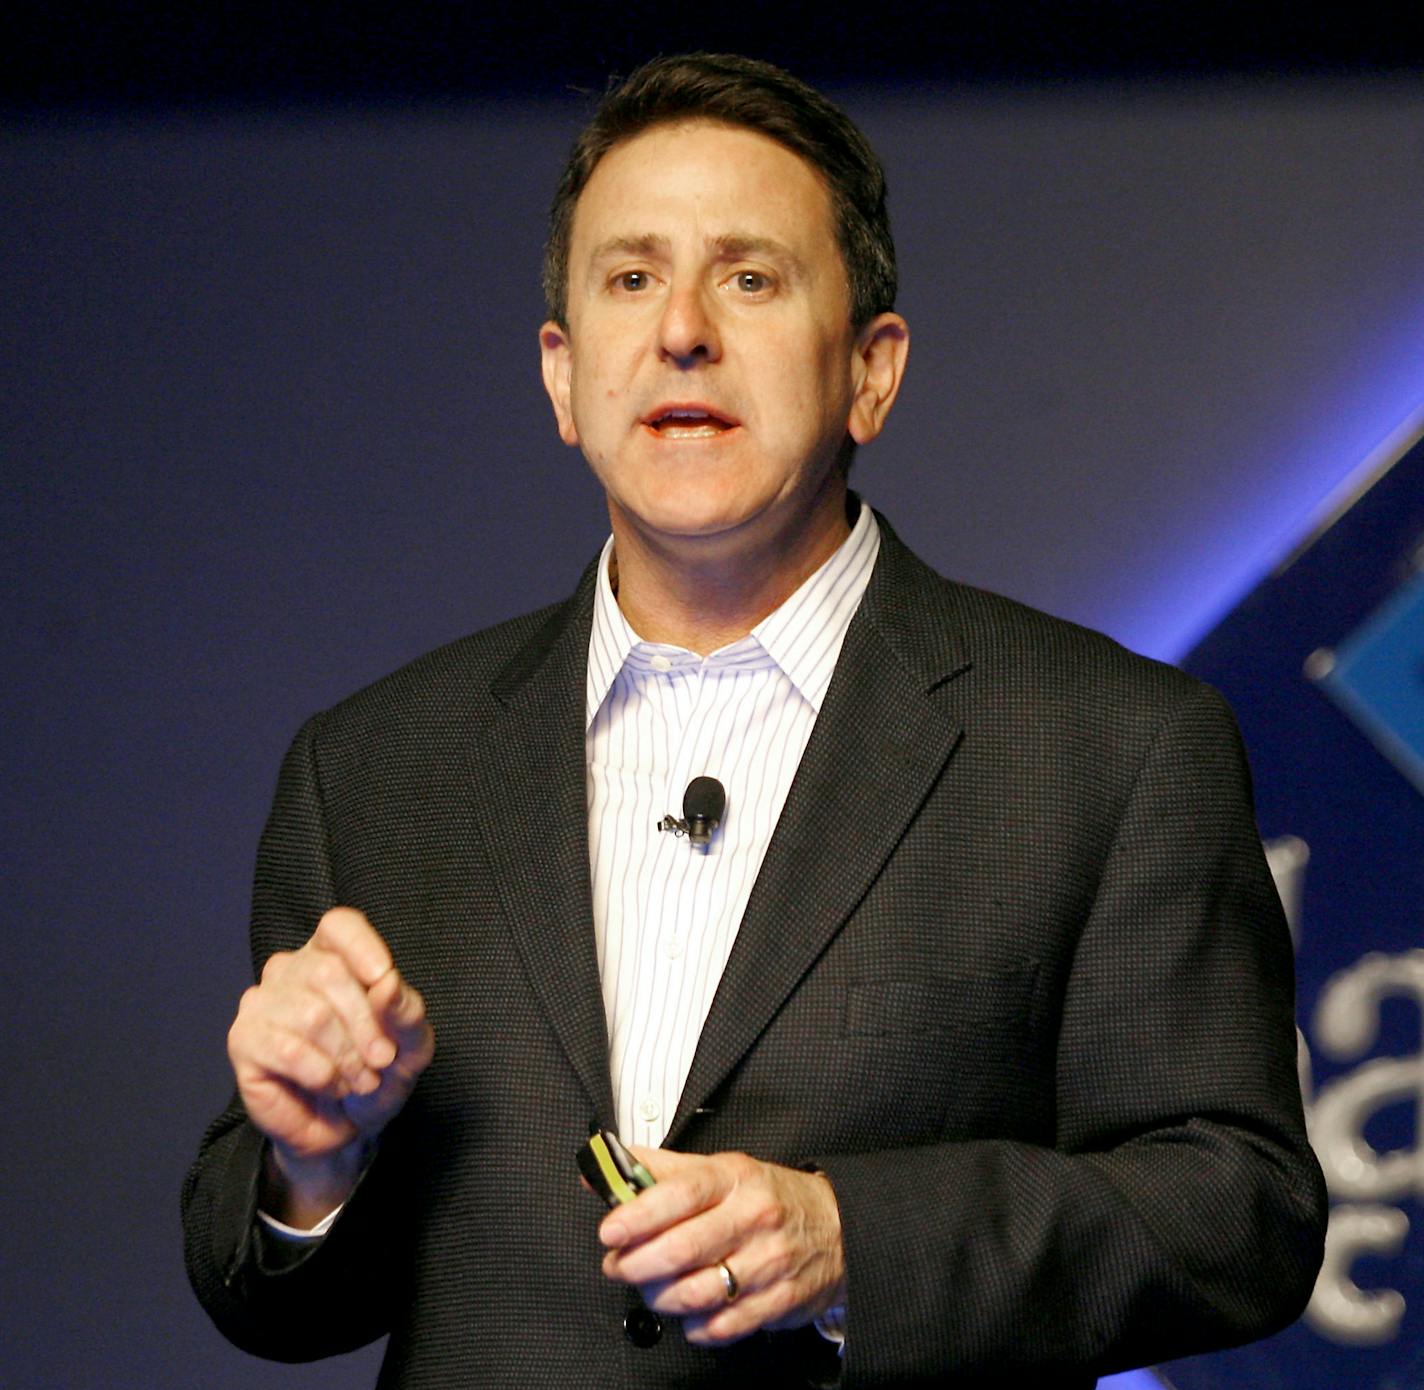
(1013, 974)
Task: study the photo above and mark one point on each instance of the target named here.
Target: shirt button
(649, 1108)
(672, 947)
(642, 1327)
(660, 663)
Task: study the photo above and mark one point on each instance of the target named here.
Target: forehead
(703, 175)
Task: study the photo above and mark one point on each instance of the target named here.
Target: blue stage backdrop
(1324, 663)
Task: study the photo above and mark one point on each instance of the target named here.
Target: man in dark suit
(993, 1074)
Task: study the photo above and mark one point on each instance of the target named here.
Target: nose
(687, 332)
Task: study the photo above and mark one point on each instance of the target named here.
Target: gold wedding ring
(729, 1281)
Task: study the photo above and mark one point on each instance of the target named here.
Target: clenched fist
(326, 1050)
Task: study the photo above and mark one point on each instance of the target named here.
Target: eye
(752, 281)
(633, 281)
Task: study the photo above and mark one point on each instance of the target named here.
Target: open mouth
(688, 422)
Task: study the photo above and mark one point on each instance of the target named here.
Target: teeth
(688, 422)
(696, 416)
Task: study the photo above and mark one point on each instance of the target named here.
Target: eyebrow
(731, 246)
(645, 245)
(734, 247)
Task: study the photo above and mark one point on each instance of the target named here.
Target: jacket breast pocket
(956, 1054)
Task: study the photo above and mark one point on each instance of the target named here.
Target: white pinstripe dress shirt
(666, 915)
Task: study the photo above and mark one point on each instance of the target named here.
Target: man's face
(709, 369)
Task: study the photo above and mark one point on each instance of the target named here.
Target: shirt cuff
(832, 1326)
(295, 1233)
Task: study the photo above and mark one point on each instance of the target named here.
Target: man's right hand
(326, 1050)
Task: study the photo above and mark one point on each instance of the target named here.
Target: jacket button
(642, 1327)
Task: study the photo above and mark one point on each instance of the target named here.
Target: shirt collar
(803, 636)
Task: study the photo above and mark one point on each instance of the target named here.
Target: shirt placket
(678, 901)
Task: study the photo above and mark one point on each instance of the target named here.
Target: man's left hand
(778, 1231)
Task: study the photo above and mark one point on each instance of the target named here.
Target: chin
(694, 511)
(695, 527)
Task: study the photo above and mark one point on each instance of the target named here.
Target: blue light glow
(1284, 506)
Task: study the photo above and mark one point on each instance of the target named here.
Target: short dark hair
(745, 92)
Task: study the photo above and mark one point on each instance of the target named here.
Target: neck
(703, 593)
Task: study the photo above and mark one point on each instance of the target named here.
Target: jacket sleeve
(285, 1303)
(1179, 1208)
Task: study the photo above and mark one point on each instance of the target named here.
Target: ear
(556, 363)
(877, 367)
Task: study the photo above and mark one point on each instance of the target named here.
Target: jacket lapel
(879, 744)
(529, 772)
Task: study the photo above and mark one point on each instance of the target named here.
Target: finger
(400, 1010)
(702, 1292)
(669, 1161)
(693, 1244)
(720, 1329)
(284, 1004)
(687, 1184)
(335, 1028)
(779, 1305)
(363, 1040)
(276, 1052)
(733, 1321)
(287, 1115)
(396, 1004)
(346, 932)
(314, 991)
